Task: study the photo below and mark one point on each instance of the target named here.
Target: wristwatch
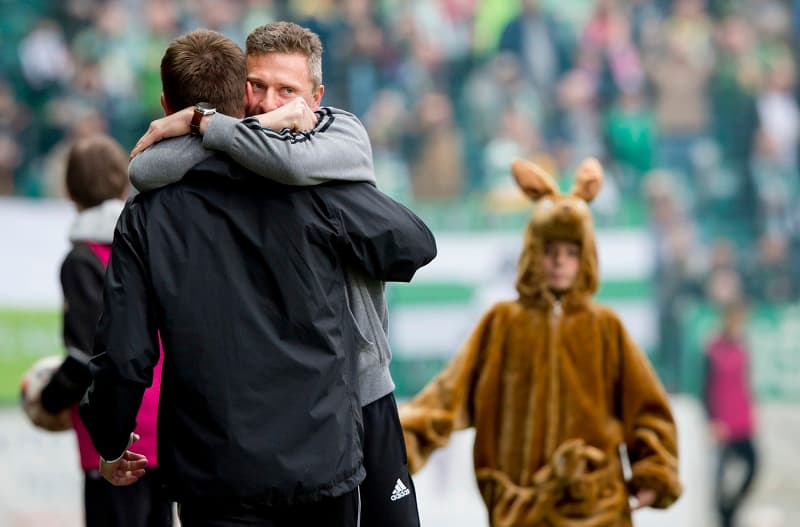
(201, 109)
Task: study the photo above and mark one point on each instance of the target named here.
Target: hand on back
(173, 125)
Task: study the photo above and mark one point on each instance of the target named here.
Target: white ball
(33, 382)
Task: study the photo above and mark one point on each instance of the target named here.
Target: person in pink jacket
(97, 183)
(729, 404)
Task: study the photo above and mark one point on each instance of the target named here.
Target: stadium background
(691, 105)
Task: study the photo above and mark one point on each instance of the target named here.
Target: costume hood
(558, 216)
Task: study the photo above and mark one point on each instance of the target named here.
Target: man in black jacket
(244, 280)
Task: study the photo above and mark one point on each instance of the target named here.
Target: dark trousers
(143, 504)
(728, 501)
(341, 511)
(388, 498)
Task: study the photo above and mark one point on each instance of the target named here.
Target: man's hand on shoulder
(173, 125)
(295, 115)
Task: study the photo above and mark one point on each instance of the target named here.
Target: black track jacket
(244, 279)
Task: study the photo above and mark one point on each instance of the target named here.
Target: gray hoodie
(338, 148)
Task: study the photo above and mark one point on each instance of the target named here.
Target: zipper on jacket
(554, 404)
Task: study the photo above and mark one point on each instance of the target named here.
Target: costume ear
(588, 180)
(533, 181)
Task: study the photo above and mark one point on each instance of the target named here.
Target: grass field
(25, 336)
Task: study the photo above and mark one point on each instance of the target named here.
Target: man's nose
(269, 102)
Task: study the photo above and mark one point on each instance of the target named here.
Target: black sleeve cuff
(68, 384)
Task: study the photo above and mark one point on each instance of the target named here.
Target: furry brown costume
(552, 387)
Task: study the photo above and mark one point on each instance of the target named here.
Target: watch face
(204, 106)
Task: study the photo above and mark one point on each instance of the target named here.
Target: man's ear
(165, 106)
(249, 98)
(317, 98)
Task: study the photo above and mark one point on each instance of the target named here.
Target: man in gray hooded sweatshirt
(292, 140)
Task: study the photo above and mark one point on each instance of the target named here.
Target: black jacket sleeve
(126, 346)
(379, 235)
(82, 287)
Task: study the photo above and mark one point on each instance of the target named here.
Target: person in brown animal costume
(553, 385)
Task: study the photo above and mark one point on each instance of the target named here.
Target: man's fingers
(126, 471)
(132, 460)
(134, 152)
(122, 478)
(306, 119)
(134, 465)
(153, 135)
(132, 472)
(142, 143)
(133, 456)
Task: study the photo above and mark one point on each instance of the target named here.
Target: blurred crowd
(692, 105)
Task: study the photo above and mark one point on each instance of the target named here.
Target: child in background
(97, 183)
(729, 404)
(553, 385)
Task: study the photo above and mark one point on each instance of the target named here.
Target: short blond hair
(288, 37)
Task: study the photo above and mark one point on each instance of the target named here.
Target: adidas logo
(400, 491)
